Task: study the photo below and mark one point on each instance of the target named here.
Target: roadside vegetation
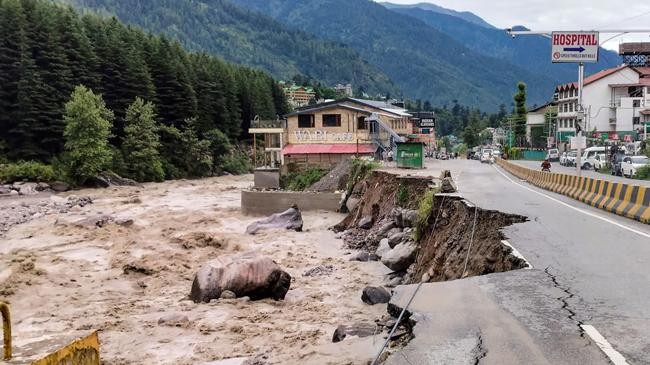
(301, 180)
(424, 213)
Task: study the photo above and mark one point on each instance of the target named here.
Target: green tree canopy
(141, 143)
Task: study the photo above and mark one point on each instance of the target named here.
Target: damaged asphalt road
(585, 271)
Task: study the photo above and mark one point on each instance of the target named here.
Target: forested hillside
(248, 38)
(426, 63)
(198, 102)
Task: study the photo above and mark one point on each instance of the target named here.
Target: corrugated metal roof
(316, 148)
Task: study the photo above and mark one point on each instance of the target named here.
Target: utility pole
(581, 113)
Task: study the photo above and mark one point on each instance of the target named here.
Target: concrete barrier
(269, 202)
(628, 200)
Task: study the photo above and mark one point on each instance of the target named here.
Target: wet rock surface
(400, 257)
(355, 329)
(290, 219)
(375, 295)
(247, 274)
(13, 212)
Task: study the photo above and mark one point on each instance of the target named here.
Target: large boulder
(355, 329)
(290, 219)
(59, 186)
(400, 257)
(396, 239)
(365, 222)
(409, 217)
(382, 248)
(385, 228)
(107, 178)
(352, 203)
(375, 295)
(28, 188)
(246, 274)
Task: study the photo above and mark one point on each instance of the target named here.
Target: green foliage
(29, 170)
(520, 112)
(87, 129)
(514, 153)
(141, 143)
(402, 196)
(461, 149)
(424, 213)
(642, 173)
(361, 168)
(299, 181)
(236, 162)
(196, 155)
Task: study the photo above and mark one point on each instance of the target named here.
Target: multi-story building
(324, 134)
(616, 102)
(345, 90)
(299, 96)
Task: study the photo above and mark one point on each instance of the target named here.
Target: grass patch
(361, 168)
(642, 173)
(424, 213)
(301, 180)
(29, 171)
(402, 196)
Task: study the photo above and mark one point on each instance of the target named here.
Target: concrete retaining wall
(269, 202)
(632, 201)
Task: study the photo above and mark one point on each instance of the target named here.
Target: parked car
(631, 163)
(601, 162)
(571, 158)
(589, 157)
(553, 154)
(443, 156)
(496, 153)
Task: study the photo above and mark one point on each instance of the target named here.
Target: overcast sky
(559, 14)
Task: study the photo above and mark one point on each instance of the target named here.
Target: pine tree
(141, 143)
(87, 128)
(520, 113)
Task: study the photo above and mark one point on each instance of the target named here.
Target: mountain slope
(249, 38)
(423, 61)
(465, 15)
(530, 52)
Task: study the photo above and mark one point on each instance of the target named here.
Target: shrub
(643, 173)
(424, 213)
(299, 181)
(402, 196)
(30, 170)
(236, 163)
(361, 168)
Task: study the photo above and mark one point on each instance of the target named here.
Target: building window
(636, 120)
(361, 123)
(571, 107)
(636, 103)
(424, 131)
(306, 121)
(331, 120)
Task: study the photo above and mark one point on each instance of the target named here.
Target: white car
(486, 157)
(570, 159)
(553, 154)
(601, 162)
(631, 163)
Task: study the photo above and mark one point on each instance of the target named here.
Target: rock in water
(246, 274)
(400, 257)
(356, 329)
(289, 219)
(374, 295)
(365, 223)
(174, 320)
(59, 186)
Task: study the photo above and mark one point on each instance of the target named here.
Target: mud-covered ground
(60, 277)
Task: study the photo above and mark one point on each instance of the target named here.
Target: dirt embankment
(446, 249)
(449, 251)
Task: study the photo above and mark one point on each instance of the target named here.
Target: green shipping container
(410, 155)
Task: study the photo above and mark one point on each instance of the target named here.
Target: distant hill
(531, 53)
(424, 61)
(465, 15)
(248, 38)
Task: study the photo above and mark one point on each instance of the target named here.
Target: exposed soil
(444, 248)
(61, 276)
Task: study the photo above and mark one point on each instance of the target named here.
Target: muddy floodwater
(61, 276)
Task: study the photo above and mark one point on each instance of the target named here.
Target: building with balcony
(616, 101)
(324, 134)
(299, 96)
(345, 90)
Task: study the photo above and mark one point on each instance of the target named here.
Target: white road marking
(518, 254)
(614, 356)
(575, 208)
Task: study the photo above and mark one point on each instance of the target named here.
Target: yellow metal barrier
(83, 351)
(6, 329)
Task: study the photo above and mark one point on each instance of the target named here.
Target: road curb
(627, 200)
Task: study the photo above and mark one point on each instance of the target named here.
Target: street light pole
(581, 113)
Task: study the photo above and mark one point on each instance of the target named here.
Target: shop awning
(316, 148)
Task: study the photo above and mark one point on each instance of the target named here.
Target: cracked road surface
(586, 271)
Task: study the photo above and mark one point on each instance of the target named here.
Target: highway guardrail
(628, 200)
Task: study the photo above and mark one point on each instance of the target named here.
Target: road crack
(565, 302)
(480, 352)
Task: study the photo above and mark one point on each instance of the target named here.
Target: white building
(536, 119)
(345, 90)
(616, 102)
